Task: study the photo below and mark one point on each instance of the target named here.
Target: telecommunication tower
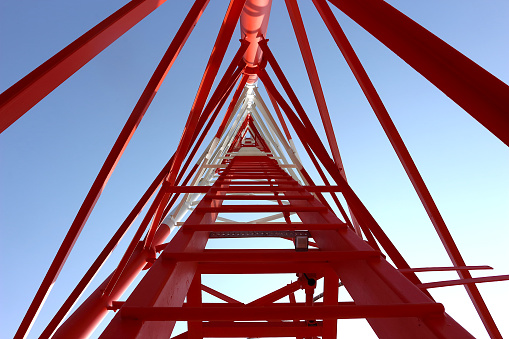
(250, 182)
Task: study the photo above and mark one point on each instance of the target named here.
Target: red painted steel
(463, 281)
(253, 25)
(391, 299)
(477, 91)
(437, 269)
(155, 314)
(309, 62)
(260, 330)
(219, 295)
(92, 311)
(280, 312)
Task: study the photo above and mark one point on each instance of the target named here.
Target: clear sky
(50, 157)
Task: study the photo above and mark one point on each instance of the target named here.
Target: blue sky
(50, 157)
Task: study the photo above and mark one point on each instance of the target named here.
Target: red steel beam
(226, 227)
(300, 33)
(253, 25)
(165, 284)
(95, 308)
(330, 297)
(309, 63)
(272, 304)
(260, 197)
(260, 209)
(249, 256)
(438, 269)
(222, 329)
(27, 92)
(477, 91)
(280, 312)
(261, 267)
(194, 299)
(219, 295)
(463, 281)
(274, 296)
(326, 182)
(110, 164)
(280, 117)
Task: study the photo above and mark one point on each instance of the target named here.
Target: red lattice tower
(251, 166)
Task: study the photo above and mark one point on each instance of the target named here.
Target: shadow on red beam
(262, 268)
(340, 303)
(227, 227)
(260, 330)
(270, 256)
(260, 209)
(280, 312)
(463, 281)
(438, 269)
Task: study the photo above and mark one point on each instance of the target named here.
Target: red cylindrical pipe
(85, 319)
(253, 24)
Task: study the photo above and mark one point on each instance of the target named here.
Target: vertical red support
(330, 297)
(194, 299)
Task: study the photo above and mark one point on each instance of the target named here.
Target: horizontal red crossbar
(252, 182)
(437, 269)
(260, 209)
(227, 227)
(261, 197)
(253, 171)
(280, 312)
(463, 281)
(264, 255)
(260, 176)
(279, 188)
(262, 267)
(260, 330)
(269, 304)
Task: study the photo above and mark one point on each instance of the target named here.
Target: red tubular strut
(478, 92)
